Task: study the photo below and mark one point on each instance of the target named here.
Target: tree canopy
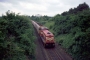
(16, 37)
(72, 29)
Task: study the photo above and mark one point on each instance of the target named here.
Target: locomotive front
(47, 38)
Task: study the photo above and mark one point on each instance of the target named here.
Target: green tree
(16, 37)
(73, 28)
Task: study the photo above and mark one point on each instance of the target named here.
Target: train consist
(46, 36)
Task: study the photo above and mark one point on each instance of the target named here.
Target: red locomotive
(46, 36)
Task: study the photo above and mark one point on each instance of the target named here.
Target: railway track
(53, 55)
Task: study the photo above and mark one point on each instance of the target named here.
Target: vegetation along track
(56, 53)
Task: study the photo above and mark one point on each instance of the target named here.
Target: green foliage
(16, 37)
(72, 31)
(76, 10)
(41, 19)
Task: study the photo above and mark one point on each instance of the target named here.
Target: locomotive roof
(47, 33)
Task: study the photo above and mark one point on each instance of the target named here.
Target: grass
(66, 40)
(48, 24)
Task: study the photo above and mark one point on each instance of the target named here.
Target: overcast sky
(43, 7)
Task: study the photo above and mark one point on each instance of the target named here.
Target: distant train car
(46, 36)
(36, 26)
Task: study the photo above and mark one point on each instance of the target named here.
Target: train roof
(47, 33)
(43, 28)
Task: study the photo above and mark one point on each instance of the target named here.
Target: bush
(16, 37)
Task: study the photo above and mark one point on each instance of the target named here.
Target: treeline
(76, 10)
(40, 19)
(16, 37)
(72, 31)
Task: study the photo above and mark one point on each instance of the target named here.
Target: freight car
(46, 36)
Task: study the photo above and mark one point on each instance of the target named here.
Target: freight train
(46, 36)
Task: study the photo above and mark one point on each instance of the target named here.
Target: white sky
(42, 7)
